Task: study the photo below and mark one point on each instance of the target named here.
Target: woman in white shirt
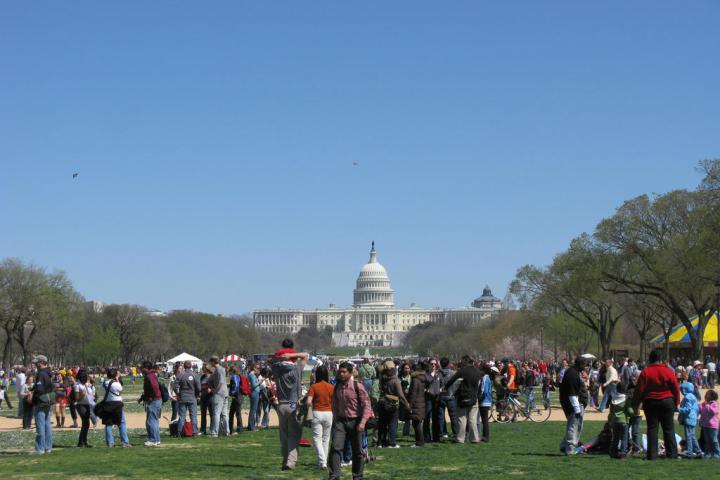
(82, 405)
(113, 390)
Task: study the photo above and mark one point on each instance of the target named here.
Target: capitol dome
(373, 285)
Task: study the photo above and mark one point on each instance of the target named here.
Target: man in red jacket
(658, 391)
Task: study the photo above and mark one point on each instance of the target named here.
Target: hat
(696, 362)
(494, 369)
(40, 359)
(588, 356)
(617, 398)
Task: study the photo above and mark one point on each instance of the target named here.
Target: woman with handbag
(389, 404)
(111, 410)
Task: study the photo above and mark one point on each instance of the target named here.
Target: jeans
(449, 404)
(109, 440)
(660, 412)
(321, 426)
(254, 403)
(710, 441)
(83, 411)
(219, 422)
(573, 430)
(634, 433)
(235, 413)
(467, 420)
(619, 442)
(27, 416)
(387, 427)
(290, 433)
(485, 420)
(431, 425)
(174, 407)
(692, 445)
(265, 406)
(206, 409)
(152, 420)
(21, 406)
(419, 434)
(341, 430)
(606, 395)
(406, 428)
(43, 428)
(182, 408)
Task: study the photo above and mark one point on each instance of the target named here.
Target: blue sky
(215, 141)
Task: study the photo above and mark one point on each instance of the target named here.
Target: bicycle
(512, 406)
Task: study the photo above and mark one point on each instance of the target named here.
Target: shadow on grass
(561, 455)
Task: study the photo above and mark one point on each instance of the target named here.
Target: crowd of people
(350, 407)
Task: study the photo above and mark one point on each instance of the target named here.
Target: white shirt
(20, 380)
(115, 391)
(711, 366)
(80, 388)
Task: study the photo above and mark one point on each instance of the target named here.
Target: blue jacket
(689, 408)
(485, 391)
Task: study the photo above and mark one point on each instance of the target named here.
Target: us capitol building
(373, 319)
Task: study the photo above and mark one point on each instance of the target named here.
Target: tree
(663, 244)
(130, 322)
(573, 285)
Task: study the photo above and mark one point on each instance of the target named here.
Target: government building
(373, 319)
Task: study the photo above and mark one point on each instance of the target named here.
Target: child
(688, 417)
(634, 418)
(547, 387)
(709, 423)
(618, 418)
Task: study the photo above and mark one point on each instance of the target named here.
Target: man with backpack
(467, 399)
(236, 398)
(187, 386)
(153, 399)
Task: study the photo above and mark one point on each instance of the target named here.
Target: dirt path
(137, 420)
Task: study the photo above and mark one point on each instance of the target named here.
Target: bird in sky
(75, 175)
(355, 164)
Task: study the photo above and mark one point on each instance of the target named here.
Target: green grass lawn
(523, 450)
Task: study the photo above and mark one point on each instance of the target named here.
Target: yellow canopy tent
(680, 338)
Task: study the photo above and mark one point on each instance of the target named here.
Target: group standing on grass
(354, 407)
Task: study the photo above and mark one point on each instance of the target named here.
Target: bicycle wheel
(540, 413)
(504, 412)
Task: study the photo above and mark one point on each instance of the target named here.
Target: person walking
(152, 397)
(351, 411)
(266, 395)
(611, 380)
(217, 384)
(391, 399)
(42, 395)
(188, 393)
(658, 391)
(114, 408)
(573, 400)
(485, 401)
(287, 371)
(320, 397)
(467, 399)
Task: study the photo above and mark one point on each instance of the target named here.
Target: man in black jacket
(42, 403)
(573, 400)
(467, 410)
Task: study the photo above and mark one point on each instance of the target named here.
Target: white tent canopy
(183, 357)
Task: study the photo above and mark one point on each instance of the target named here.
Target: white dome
(373, 285)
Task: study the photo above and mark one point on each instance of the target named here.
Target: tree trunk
(7, 351)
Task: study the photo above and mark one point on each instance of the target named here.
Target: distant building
(373, 319)
(95, 306)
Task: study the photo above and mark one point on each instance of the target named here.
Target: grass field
(524, 450)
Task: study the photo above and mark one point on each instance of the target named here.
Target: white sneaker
(393, 446)
(151, 444)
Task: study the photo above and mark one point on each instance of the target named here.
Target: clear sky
(215, 141)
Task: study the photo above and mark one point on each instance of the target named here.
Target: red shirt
(657, 382)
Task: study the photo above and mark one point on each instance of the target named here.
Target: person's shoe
(48, 450)
(149, 444)
(126, 445)
(394, 446)
(346, 464)
(37, 452)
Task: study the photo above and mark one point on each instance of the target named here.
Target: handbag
(99, 409)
